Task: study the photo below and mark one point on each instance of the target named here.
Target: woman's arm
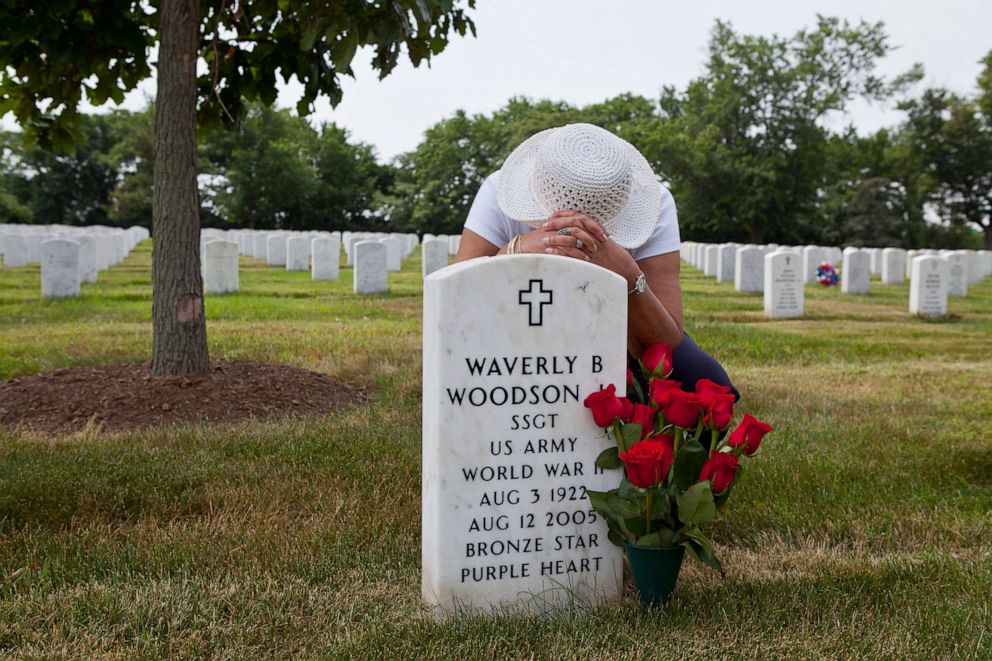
(653, 316)
(656, 315)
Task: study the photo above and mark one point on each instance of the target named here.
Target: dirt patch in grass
(127, 397)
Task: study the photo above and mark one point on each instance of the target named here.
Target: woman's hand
(581, 244)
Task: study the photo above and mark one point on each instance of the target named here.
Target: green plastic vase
(655, 570)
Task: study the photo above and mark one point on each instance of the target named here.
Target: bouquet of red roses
(679, 462)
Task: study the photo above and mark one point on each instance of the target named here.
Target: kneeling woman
(581, 192)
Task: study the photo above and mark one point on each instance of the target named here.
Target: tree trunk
(988, 237)
(179, 331)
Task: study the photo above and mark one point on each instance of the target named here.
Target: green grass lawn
(863, 529)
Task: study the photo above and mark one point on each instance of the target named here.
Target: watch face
(641, 285)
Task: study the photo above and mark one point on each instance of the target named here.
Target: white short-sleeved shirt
(487, 220)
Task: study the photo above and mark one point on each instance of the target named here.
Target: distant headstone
(297, 253)
(15, 251)
(59, 268)
(512, 346)
(813, 256)
(784, 282)
(394, 253)
(910, 255)
(893, 266)
(276, 250)
(726, 258)
(32, 243)
(433, 255)
(260, 245)
(856, 272)
(749, 269)
(220, 267)
(957, 273)
(928, 286)
(87, 257)
(370, 268)
(974, 267)
(711, 260)
(876, 260)
(326, 257)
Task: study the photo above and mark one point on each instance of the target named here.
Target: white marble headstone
(928, 286)
(275, 254)
(813, 256)
(370, 275)
(326, 258)
(260, 245)
(784, 282)
(726, 258)
(957, 273)
(711, 260)
(856, 271)
(297, 253)
(87, 257)
(512, 347)
(220, 267)
(749, 269)
(394, 253)
(893, 266)
(59, 268)
(15, 251)
(433, 255)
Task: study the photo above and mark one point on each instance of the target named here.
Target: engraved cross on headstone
(536, 300)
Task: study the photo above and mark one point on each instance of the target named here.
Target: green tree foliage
(744, 146)
(60, 53)
(275, 171)
(436, 182)
(949, 141)
(133, 158)
(71, 189)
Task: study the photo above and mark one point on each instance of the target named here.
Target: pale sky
(584, 51)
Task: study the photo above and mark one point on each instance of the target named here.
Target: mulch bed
(127, 397)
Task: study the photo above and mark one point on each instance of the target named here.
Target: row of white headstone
(68, 255)
(372, 255)
(781, 272)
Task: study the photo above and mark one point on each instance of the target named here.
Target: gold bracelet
(511, 248)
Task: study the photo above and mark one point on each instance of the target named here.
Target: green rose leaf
(600, 502)
(608, 459)
(636, 525)
(701, 548)
(631, 433)
(688, 463)
(627, 490)
(651, 539)
(696, 504)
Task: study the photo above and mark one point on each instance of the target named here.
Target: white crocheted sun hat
(585, 168)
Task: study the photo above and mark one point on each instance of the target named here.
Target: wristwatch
(640, 284)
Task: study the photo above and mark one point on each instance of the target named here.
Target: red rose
(719, 409)
(658, 386)
(644, 416)
(748, 434)
(648, 461)
(630, 378)
(606, 406)
(705, 386)
(681, 408)
(720, 470)
(657, 360)
(717, 402)
(626, 409)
